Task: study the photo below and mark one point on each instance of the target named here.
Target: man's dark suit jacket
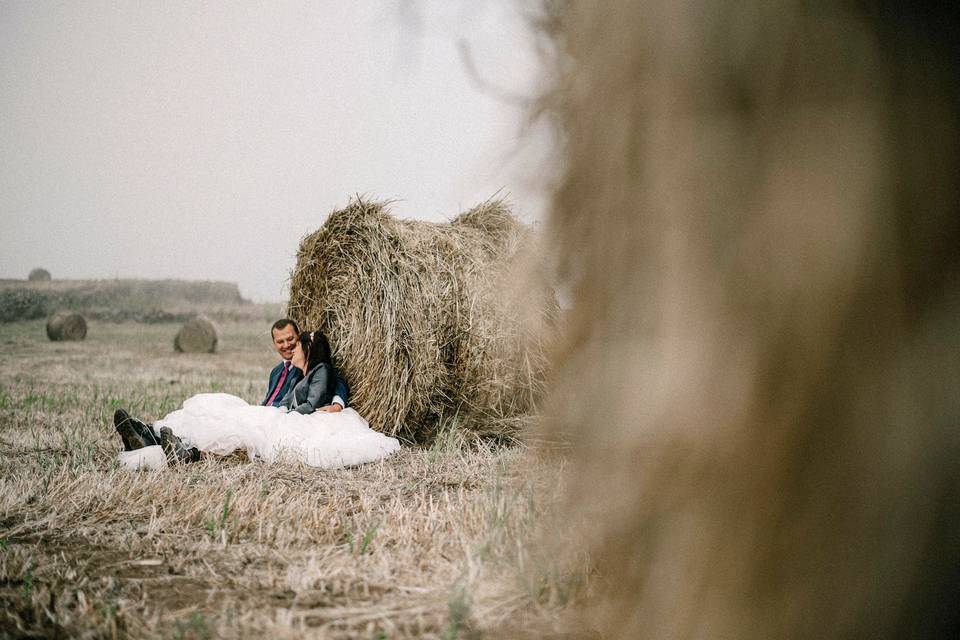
(340, 386)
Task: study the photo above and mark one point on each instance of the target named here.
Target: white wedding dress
(220, 423)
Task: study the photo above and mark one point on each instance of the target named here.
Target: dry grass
(425, 317)
(433, 543)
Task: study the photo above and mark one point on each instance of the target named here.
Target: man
(285, 376)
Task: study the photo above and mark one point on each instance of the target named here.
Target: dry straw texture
(759, 224)
(66, 325)
(196, 336)
(424, 318)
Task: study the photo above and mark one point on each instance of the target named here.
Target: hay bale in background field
(66, 325)
(39, 275)
(196, 336)
(421, 316)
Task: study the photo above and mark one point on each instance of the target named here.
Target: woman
(219, 423)
(316, 388)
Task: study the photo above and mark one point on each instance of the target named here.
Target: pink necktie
(286, 370)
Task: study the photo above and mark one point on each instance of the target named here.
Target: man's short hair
(282, 323)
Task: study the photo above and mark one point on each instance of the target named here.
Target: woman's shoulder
(320, 369)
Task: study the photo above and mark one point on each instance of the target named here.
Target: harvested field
(431, 543)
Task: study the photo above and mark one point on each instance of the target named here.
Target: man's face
(284, 341)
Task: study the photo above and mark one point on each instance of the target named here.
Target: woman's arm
(319, 391)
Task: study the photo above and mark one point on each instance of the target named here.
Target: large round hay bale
(66, 325)
(39, 275)
(420, 317)
(196, 336)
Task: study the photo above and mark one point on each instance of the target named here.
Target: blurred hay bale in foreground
(426, 319)
(66, 325)
(759, 218)
(196, 336)
(38, 275)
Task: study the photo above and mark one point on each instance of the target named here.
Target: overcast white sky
(202, 140)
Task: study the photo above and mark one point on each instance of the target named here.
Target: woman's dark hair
(316, 347)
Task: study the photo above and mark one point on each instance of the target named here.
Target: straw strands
(760, 386)
(424, 319)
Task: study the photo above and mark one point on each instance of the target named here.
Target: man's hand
(331, 408)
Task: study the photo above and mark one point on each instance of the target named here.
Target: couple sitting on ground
(303, 417)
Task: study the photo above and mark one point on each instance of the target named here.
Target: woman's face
(299, 358)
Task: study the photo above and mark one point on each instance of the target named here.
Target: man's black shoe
(131, 437)
(173, 447)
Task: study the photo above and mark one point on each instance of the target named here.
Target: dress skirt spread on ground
(220, 423)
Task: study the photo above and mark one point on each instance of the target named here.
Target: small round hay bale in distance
(39, 275)
(196, 336)
(66, 325)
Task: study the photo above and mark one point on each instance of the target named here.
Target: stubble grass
(435, 542)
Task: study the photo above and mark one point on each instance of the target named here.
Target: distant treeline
(123, 300)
